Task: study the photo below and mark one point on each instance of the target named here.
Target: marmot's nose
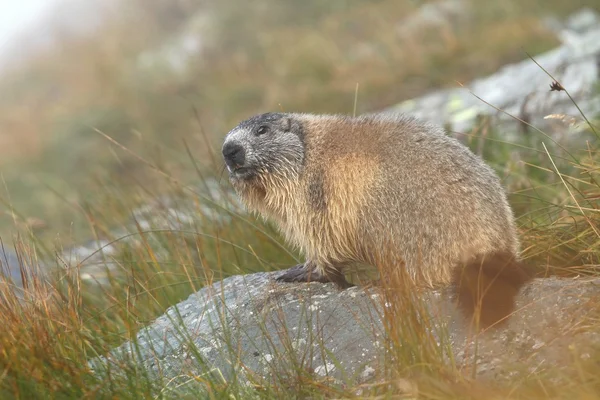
(234, 154)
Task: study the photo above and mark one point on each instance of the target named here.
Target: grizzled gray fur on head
(266, 143)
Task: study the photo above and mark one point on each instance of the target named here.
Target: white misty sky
(18, 15)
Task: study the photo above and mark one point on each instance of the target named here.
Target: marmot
(341, 188)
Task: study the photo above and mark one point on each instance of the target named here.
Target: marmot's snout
(267, 146)
(234, 155)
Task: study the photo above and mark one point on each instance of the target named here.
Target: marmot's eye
(262, 130)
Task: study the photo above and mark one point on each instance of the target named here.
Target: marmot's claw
(301, 273)
(306, 273)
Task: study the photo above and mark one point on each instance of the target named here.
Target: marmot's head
(264, 147)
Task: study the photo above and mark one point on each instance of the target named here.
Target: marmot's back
(427, 193)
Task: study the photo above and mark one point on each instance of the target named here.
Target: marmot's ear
(290, 125)
(287, 124)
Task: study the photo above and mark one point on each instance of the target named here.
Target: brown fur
(341, 188)
(486, 288)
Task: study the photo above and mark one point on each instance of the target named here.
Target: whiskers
(221, 174)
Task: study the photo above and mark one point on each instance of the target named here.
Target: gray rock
(583, 20)
(256, 329)
(522, 89)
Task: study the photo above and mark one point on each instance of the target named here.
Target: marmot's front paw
(307, 272)
(302, 273)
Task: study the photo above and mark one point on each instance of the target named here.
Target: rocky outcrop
(522, 90)
(261, 331)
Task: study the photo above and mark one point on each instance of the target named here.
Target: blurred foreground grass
(83, 186)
